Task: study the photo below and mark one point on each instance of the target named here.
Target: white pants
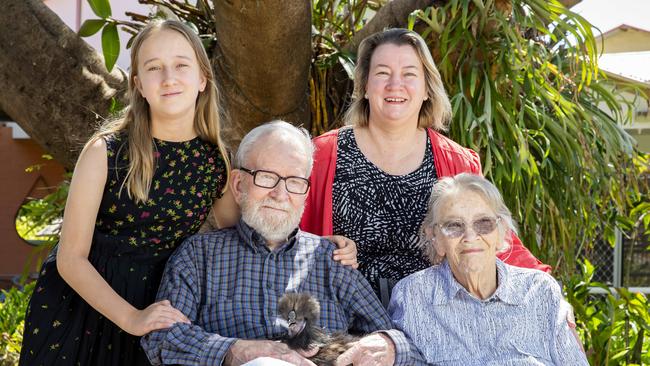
(267, 361)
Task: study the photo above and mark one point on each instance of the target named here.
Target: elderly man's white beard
(274, 226)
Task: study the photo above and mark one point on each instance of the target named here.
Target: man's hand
(244, 351)
(346, 253)
(373, 350)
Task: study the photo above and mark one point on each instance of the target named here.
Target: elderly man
(228, 282)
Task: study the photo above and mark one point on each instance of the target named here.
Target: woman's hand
(346, 253)
(159, 315)
(372, 350)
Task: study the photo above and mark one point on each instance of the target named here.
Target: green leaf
(90, 27)
(193, 27)
(348, 66)
(619, 355)
(101, 8)
(110, 45)
(411, 19)
(472, 82)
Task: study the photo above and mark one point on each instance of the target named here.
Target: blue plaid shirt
(228, 283)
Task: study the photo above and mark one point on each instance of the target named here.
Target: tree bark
(570, 3)
(52, 82)
(262, 61)
(57, 88)
(392, 15)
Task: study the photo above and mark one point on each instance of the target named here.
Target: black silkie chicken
(299, 314)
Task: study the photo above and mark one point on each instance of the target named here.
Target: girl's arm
(225, 210)
(84, 198)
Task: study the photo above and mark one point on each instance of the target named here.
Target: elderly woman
(371, 181)
(470, 308)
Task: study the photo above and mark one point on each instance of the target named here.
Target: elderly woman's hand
(372, 350)
(571, 321)
(346, 253)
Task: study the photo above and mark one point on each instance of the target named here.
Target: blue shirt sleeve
(184, 344)
(565, 350)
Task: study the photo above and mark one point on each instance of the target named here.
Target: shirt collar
(257, 243)
(449, 285)
(505, 291)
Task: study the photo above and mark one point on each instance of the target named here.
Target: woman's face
(396, 85)
(169, 76)
(473, 249)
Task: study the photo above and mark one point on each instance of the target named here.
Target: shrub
(12, 321)
(614, 324)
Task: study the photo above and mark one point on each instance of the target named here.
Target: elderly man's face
(472, 251)
(272, 212)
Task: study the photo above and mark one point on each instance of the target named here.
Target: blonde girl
(141, 185)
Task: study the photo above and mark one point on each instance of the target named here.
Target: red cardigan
(449, 158)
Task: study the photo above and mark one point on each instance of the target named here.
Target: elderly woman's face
(466, 233)
(396, 85)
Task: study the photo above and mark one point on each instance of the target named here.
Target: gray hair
(252, 138)
(449, 186)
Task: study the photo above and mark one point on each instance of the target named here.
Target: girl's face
(169, 77)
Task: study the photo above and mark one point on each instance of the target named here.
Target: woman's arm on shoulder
(346, 253)
(84, 199)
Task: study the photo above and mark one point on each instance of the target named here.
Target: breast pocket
(332, 316)
(442, 354)
(532, 352)
(530, 343)
(230, 318)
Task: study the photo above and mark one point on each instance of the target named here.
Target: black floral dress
(130, 246)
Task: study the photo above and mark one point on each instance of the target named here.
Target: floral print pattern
(131, 244)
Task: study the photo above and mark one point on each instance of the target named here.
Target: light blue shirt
(522, 323)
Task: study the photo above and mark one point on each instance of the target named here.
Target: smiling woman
(396, 84)
(371, 181)
(470, 307)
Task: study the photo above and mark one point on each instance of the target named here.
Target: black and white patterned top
(382, 213)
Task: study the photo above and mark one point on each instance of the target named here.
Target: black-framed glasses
(269, 179)
(458, 228)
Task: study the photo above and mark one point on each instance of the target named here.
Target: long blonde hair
(137, 125)
(435, 111)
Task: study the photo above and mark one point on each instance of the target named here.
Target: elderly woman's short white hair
(252, 139)
(452, 186)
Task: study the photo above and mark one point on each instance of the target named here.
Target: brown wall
(15, 185)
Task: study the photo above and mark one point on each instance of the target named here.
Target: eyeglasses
(458, 228)
(268, 179)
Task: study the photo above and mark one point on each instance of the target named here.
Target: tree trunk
(58, 90)
(52, 82)
(262, 61)
(392, 15)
